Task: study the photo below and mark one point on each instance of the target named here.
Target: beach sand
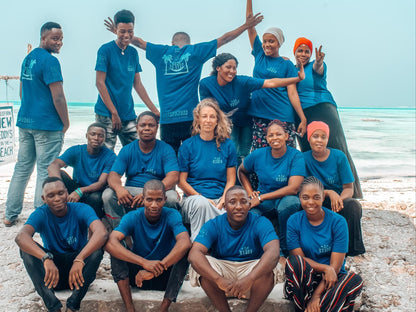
(388, 268)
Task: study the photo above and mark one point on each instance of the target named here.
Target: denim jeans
(63, 262)
(127, 133)
(282, 208)
(175, 133)
(242, 138)
(38, 147)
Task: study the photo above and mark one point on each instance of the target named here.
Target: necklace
(122, 51)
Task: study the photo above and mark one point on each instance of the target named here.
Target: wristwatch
(47, 255)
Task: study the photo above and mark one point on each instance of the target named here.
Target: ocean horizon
(381, 140)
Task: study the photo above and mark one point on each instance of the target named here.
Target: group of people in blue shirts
(243, 130)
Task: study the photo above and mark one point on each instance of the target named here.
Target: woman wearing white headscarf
(277, 103)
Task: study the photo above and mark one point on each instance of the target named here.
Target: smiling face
(125, 33)
(226, 72)
(318, 141)
(237, 205)
(311, 199)
(95, 137)
(147, 128)
(270, 45)
(153, 204)
(276, 137)
(55, 196)
(208, 119)
(52, 40)
(302, 55)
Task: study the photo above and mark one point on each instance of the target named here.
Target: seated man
(159, 241)
(92, 163)
(67, 259)
(244, 250)
(141, 160)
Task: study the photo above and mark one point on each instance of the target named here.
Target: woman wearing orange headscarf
(318, 103)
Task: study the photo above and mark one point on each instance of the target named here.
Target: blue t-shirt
(235, 94)
(333, 172)
(65, 234)
(206, 165)
(274, 173)
(271, 103)
(120, 69)
(178, 71)
(312, 90)
(88, 168)
(244, 244)
(152, 241)
(141, 167)
(37, 111)
(318, 242)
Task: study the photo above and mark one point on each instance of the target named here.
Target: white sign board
(6, 133)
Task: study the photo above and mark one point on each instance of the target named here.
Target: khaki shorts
(232, 270)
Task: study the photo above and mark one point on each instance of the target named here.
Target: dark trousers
(352, 212)
(175, 133)
(63, 262)
(93, 199)
(302, 280)
(328, 113)
(170, 281)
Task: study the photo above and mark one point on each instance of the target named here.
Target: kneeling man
(244, 251)
(159, 241)
(67, 259)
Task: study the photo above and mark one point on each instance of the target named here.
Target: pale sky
(369, 44)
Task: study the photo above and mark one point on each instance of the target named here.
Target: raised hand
(109, 24)
(319, 55)
(253, 20)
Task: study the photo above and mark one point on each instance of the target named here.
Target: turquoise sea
(381, 140)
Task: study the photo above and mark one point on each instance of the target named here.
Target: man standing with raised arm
(42, 119)
(178, 71)
(117, 72)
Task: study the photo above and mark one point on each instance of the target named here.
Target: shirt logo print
(27, 69)
(244, 251)
(175, 66)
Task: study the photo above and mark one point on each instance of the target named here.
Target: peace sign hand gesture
(319, 55)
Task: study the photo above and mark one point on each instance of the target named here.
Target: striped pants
(302, 280)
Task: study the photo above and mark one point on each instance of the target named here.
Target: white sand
(388, 268)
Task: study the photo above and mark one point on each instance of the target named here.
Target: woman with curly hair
(207, 165)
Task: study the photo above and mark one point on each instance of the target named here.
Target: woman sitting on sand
(277, 103)
(280, 170)
(318, 103)
(316, 279)
(233, 92)
(207, 165)
(331, 167)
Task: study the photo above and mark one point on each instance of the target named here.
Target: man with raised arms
(178, 71)
(159, 241)
(243, 254)
(91, 163)
(42, 119)
(142, 160)
(117, 72)
(68, 259)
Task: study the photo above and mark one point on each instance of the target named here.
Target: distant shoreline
(141, 105)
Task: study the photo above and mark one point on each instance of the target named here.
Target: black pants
(352, 212)
(328, 113)
(93, 199)
(174, 134)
